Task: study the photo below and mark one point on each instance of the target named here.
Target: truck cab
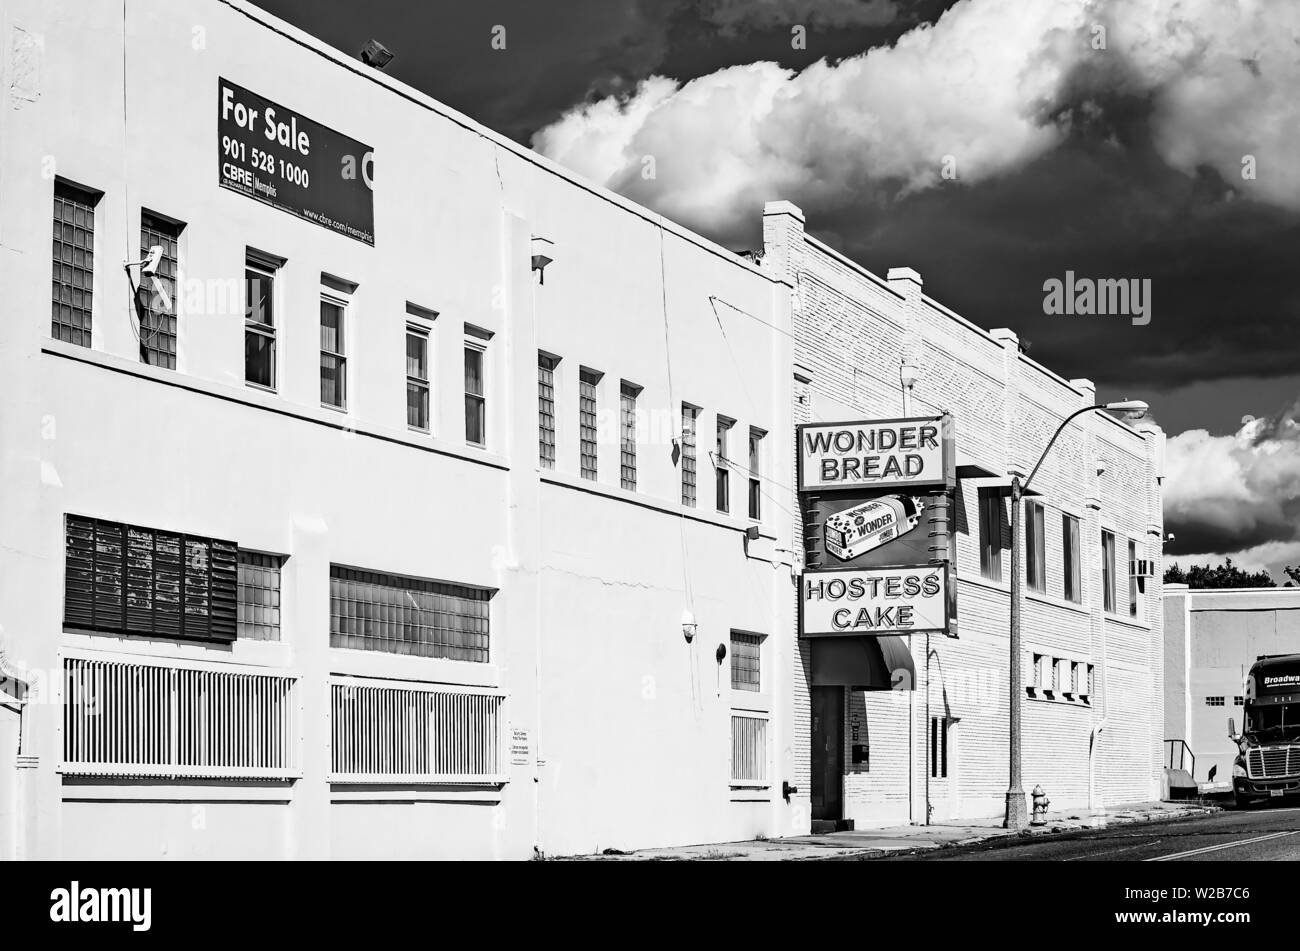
(1268, 762)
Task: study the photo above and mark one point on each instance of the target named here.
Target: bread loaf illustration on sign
(867, 526)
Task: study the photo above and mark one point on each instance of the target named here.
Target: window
(1035, 548)
(1214, 701)
(475, 403)
(1072, 587)
(546, 410)
(172, 717)
(755, 473)
(689, 416)
(748, 749)
(939, 747)
(124, 579)
(333, 357)
(1238, 701)
(417, 377)
(746, 655)
(722, 471)
(399, 615)
(259, 321)
(628, 393)
(73, 263)
(1132, 580)
(990, 504)
(587, 383)
(387, 731)
(259, 596)
(1108, 571)
(158, 316)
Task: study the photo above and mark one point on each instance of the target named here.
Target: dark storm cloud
(1122, 177)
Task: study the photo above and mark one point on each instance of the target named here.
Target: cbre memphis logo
(96, 905)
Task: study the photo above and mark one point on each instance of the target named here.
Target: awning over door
(863, 663)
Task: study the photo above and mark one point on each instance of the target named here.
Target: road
(1259, 834)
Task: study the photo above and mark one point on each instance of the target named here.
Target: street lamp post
(1017, 816)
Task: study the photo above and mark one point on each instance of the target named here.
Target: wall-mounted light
(543, 254)
(721, 653)
(689, 626)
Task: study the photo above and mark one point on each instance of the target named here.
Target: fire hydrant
(1041, 802)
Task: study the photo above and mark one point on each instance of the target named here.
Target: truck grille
(1273, 762)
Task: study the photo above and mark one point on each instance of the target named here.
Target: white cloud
(1232, 493)
(988, 84)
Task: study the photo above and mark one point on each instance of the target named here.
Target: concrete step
(826, 826)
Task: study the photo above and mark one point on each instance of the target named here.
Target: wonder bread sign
(876, 454)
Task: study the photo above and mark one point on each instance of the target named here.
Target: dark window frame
(73, 263)
(990, 533)
(409, 616)
(1072, 575)
(136, 581)
(628, 393)
(1035, 546)
(547, 364)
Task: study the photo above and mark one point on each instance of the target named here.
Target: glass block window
(158, 316)
(690, 415)
(628, 393)
(587, 383)
(417, 378)
(1214, 701)
(399, 615)
(722, 473)
(259, 596)
(745, 661)
(333, 359)
(755, 473)
(546, 410)
(73, 256)
(475, 401)
(259, 324)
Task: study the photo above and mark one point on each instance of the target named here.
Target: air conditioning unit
(1142, 568)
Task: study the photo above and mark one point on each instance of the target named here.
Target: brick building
(1092, 634)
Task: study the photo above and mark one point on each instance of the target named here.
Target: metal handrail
(1184, 753)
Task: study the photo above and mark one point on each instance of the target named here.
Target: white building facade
(386, 537)
(1212, 638)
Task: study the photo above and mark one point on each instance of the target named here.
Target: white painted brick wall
(852, 329)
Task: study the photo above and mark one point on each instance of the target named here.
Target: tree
(1294, 574)
(1226, 575)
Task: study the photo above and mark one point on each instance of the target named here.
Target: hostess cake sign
(876, 601)
(875, 454)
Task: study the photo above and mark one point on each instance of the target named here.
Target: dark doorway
(827, 753)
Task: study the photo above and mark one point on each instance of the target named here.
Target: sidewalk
(874, 843)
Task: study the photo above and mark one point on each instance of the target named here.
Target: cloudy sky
(991, 144)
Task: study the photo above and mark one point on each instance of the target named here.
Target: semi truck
(1268, 759)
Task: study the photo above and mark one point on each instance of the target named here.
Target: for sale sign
(278, 156)
(876, 454)
(909, 600)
